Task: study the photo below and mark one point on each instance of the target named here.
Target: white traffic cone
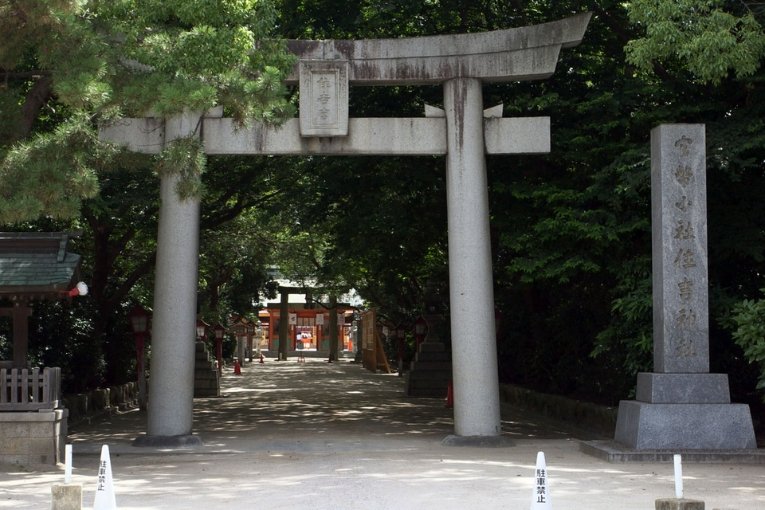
(105, 498)
(540, 499)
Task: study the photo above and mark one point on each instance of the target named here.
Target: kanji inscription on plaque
(324, 98)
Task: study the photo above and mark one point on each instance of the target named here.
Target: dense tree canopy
(571, 230)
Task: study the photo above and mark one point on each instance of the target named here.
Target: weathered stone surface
(524, 53)
(679, 504)
(478, 441)
(679, 223)
(323, 98)
(179, 441)
(681, 405)
(66, 496)
(642, 425)
(145, 135)
(683, 388)
(371, 136)
(33, 437)
(430, 372)
(471, 292)
(171, 390)
(206, 377)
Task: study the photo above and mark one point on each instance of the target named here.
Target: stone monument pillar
(430, 372)
(681, 405)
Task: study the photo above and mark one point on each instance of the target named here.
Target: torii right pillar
(471, 291)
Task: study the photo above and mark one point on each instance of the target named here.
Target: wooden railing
(30, 389)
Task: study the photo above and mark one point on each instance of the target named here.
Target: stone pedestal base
(34, 437)
(682, 388)
(66, 496)
(180, 441)
(684, 411)
(478, 441)
(679, 504)
(206, 380)
(641, 425)
(430, 372)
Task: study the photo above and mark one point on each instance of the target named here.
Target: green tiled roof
(36, 263)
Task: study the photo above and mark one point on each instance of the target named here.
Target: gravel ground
(320, 436)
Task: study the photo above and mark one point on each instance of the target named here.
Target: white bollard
(105, 498)
(66, 496)
(678, 476)
(68, 463)
(540, 498)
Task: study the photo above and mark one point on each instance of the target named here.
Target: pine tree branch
(38, 95)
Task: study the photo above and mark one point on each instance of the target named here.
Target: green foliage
(701, 36)
(170, 56)
(60, 336)
(109, 58)
(185, 158)
(52, 173)
(748, 318)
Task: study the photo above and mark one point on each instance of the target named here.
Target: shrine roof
(36, 265)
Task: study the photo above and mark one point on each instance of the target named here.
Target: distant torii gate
(461, 131)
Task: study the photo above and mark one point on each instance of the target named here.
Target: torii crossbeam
(463, 132)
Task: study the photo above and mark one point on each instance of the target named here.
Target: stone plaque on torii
(463, 131)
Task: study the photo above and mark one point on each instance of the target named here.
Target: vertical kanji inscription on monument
(680, 278)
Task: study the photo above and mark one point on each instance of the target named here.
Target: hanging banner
(320, 319)
(293, 319)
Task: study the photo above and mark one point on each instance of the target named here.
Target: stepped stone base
(684, 411)
(679, 504)
(206, 381)
(682, 388)
(430, 372)
(643, 425)
(611, 451)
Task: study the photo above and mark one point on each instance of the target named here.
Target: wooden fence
(30, 389)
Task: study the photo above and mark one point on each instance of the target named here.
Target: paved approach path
(321, 436)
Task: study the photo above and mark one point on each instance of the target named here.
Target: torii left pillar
(171, 387)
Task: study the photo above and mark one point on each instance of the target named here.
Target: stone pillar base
(684, 411)
(66, 496)
(478, 441)
(430, 372)
(648, 426)
(181, 441)
(679, 504)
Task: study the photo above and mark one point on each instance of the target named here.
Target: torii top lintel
(515, 54)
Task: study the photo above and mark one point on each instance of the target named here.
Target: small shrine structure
(33, 423)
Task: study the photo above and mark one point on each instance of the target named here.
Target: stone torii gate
(463, 131)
